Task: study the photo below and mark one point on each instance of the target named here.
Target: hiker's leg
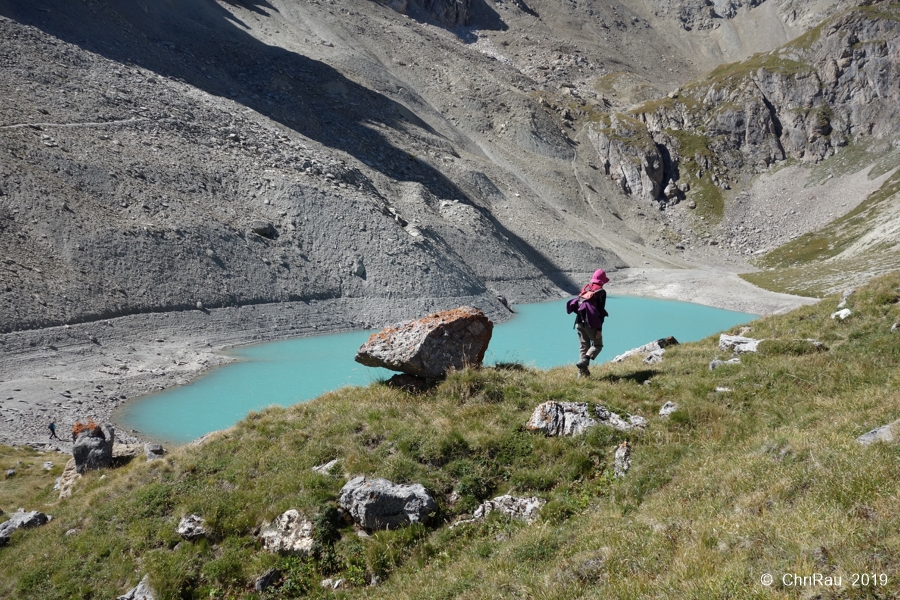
(597, 341)
(584, 343)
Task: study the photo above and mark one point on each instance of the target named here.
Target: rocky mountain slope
(165, 158)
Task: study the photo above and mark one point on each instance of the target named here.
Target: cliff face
(839, 82)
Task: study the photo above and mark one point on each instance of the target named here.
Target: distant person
(590, 310)
(53, 431)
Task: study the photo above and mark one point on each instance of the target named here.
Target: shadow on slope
(202, 44)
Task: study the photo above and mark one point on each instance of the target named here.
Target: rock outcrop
(21, 520)
(738, 343)
(289, 533)
(521, 509)
(629, 156)
(380, 504)
(142, 591)
(648, 349)
(430, 346)
(192, 527)
(574, 418)
(93, 447)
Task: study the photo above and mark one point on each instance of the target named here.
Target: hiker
(53, 435)
(590, 310)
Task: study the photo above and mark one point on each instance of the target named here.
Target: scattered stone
(10, 473)
(667, 409)
(48, 465)
(325, 469)
(842, 314)
(692, 204)
(716, 363)
(623, 459)
(722, 389)
(574, 418)
(845, 296)
(648, 348)
(521, 509)
(154, 451)
(192, 527)
(885, 433)
(263, 228)
(430, 346)
(142, 591)
(380, 504)
(21, 520)
(738, 343)
(93, 447)
(332, 584)
(895, 327)
(289, 533)
(267, 579)
(607, 417)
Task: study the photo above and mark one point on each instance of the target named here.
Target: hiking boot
(583, 372)
(583, 363)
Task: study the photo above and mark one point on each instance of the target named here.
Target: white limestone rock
(289, 533)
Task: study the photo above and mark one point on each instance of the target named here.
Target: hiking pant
(590, 340)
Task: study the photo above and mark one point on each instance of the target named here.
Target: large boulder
(93, 447)
(432, 345)
(289, 533)
(380, 504)
(21, 520)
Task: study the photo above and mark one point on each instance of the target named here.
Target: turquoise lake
(292, 371)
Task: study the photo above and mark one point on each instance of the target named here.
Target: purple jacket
(591, 312)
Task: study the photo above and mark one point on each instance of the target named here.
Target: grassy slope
(764, 478)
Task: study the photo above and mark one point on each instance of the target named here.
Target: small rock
(10, 473)
(521, 509)
(266, 580)
(722, 389)
(290, 532)
(841, 314)
(884, 433)
(692, 204)
(325, 469)
(142, 591)
(623, 459)
(738, 343)
(154, 451)
(844, 297)
(716, 363)
(332, 584)
(192, 527)
(48, 465)
(263, 228)
(199, 305)
(895, 327)
(667, 409)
